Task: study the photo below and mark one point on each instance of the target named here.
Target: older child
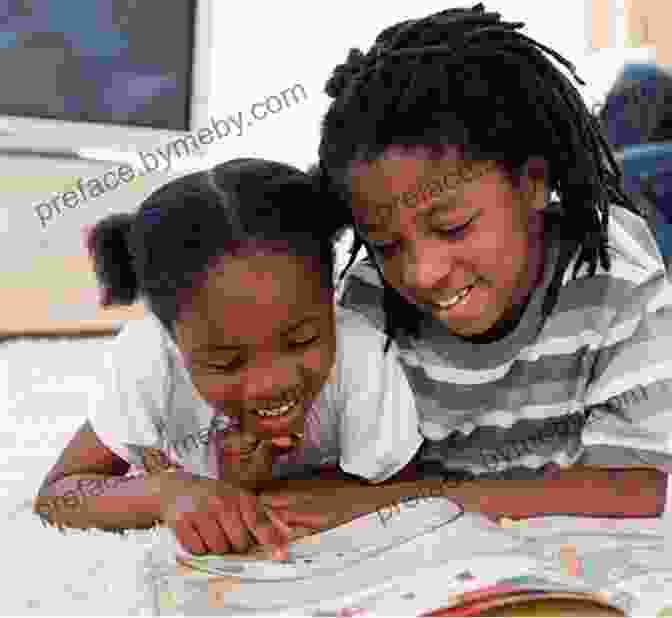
(536, 335)
(236, 267)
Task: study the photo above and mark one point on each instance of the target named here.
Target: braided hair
(465, 78)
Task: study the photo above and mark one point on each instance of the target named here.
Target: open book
(428, 555)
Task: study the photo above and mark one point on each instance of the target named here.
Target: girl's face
(452, 238)
(259, 335)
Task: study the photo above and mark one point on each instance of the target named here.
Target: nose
(424, 265)
(270, 383)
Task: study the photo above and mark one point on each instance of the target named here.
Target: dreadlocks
(465, 78)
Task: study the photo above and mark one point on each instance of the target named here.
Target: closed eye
(454, 233)
(233, 365)
(304, 342)
(386, 250)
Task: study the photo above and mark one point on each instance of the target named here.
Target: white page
(423, 564)
(628, 560)
(413, 539)
(341, 547)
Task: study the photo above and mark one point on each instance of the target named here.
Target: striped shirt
(592, 382)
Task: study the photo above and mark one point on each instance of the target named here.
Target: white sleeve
(130, 412)
(378, 419)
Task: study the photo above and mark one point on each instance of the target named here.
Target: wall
(646, 24)
(259, 52)
(649, 23)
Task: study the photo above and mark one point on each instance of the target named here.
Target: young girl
(535, 334)
(236, 267)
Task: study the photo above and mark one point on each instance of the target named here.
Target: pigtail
(335, 221)
(337, 217)
(113, 262)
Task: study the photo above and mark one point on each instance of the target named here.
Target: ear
(534, 181)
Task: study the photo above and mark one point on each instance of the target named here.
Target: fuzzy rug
(45, 387)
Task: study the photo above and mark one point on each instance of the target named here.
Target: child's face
(451, 238)
(260, 335)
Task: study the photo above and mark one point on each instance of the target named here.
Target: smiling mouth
(454, 300)
(277, 411)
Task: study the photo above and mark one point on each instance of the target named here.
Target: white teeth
(276, 411)
(455, 299)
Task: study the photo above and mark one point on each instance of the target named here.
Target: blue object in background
(647, 170)
(630, 111)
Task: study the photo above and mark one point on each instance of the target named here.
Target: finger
(302, 518)
(281, 501)
(214, 536)
(278, 522)
(260, 524)
(281, 515)
(187, 536)
(235, 528)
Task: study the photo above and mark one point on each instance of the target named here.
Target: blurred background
(88, 86)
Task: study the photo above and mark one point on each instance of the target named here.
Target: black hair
(638, 107)
(465, 78)
(165, 249)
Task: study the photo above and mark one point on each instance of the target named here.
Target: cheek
(317, 364)
(499, 251)
(215, 389)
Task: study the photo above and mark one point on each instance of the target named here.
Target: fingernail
(279, 553)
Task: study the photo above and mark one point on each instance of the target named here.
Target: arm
(628, 396)
(579, 491)
(87, 488)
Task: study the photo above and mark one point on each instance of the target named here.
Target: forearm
(101, 501)
(579, 491)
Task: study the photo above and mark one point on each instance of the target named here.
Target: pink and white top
(364, 419)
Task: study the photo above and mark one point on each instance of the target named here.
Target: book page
(629, 561)
(428, 554)
(372, 560)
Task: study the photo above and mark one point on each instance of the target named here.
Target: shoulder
(362, 363)
(146, 329)
(143, 350)
(362, 292)
(352, 325)
(358, 340)
(629, 302)
(636, 272)
(632, 248)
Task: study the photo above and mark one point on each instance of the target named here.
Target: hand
(320, 505)
(214, 516)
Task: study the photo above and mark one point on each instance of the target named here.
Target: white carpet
(45, 386)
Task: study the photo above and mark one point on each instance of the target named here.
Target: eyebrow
(232, 348)
(399, 201)
(435, 209)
